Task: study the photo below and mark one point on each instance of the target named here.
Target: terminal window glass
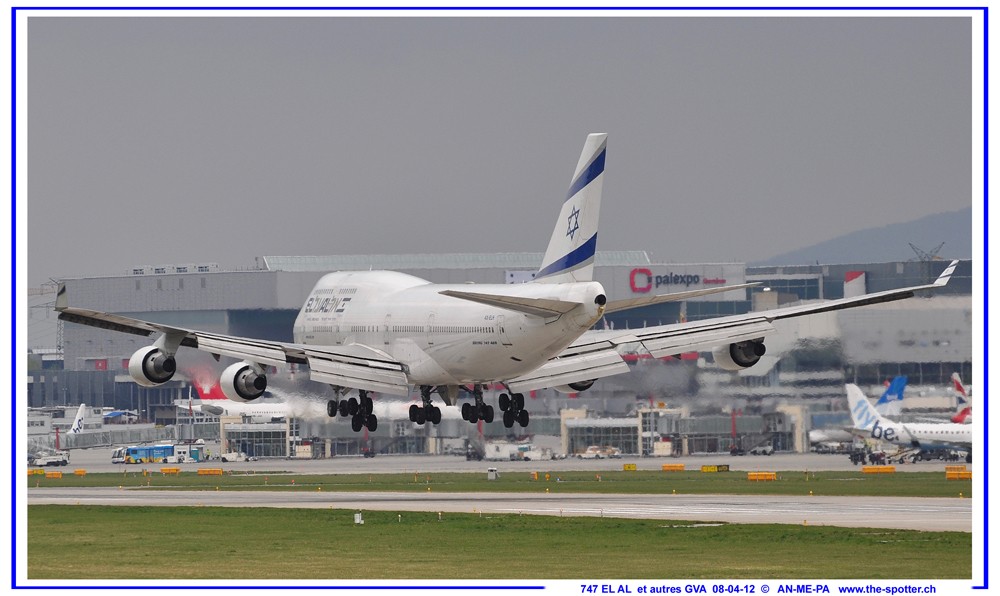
(805, 289)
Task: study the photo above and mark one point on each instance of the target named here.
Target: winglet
(942, 279)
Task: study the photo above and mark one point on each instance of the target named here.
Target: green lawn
(836, 483)
(81, 542)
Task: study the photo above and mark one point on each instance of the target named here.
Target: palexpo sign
(642, 280)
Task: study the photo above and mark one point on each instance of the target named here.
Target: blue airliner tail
(890, 404)
(570, 254)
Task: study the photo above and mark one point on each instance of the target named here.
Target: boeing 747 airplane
(382, 331)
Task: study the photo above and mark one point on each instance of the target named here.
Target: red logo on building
(639, 273)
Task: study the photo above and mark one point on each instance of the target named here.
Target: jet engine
(150, 366)
(243, 382)
(575, 387)
(739, 355)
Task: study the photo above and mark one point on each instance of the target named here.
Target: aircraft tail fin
(77, 427)
(570, 254)
(863, 413)
(959, 387)
(890, 404)
(964, 416)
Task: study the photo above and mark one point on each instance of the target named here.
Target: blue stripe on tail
(595, 169)
(579, 256)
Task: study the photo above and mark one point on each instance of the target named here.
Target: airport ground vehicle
(149, 454)
(53, 458)
(762, 450)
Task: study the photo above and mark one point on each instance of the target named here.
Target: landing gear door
(502, 331)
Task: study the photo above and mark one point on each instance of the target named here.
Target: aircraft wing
(356, 366)
(669, 340)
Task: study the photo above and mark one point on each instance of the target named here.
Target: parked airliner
(921, 435)
(382, 331)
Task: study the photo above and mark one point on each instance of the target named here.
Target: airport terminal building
(808, 360)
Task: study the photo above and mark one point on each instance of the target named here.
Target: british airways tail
(77, 427)
(570, 254)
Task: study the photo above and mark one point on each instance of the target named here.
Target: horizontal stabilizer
(539, 307)
(617, 305)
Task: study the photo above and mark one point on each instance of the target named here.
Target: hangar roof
(508, 260)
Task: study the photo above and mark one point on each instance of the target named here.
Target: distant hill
(889, 243)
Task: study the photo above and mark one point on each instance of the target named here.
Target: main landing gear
(428, 412)
(477, 411)
(513, 410)
(360, 411)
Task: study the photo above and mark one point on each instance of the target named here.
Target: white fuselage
(923, 435)
(443, 340)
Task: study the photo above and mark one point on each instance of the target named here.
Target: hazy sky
(180, 140)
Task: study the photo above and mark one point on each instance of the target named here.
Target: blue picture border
(983, 401)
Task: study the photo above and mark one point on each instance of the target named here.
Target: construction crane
(931, 255)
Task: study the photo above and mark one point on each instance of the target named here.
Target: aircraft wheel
(331, 408)
(352, 407)
(435, 416)
(356, 423)
(421, 416)
(508, 419)
(344, 411)
(488, 414)
(522, 418)
(465, 410)
(372, 423)
(413, 412)
(367, 405)
(504, 402)
(473, 415)
(518, 401)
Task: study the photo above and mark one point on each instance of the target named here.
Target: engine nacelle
(575, 387)
(242, 383)
(150, 366)
(740, 355)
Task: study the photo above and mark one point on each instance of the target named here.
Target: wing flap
(357, 366)
(252, 350)
(668, 342)
(571, 369)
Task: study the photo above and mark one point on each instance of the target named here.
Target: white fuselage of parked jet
(870, 423)
(444, 340)
(390, 409)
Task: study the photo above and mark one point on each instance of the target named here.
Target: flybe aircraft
(77, 427)
(922, 435)
(383, 331)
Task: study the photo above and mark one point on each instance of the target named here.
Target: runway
(913, 513)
